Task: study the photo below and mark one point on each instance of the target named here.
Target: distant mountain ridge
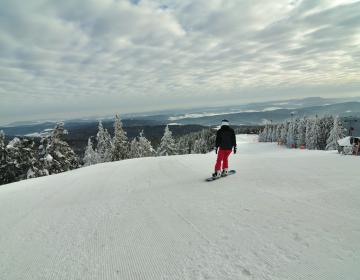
(246, 114)
(252, 118)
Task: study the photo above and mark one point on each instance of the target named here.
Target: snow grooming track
(286, 214)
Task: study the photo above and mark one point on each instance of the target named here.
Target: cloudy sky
(70, 58)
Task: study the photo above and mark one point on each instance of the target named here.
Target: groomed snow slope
(286, 214)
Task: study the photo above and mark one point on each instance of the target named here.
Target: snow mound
(286, 214)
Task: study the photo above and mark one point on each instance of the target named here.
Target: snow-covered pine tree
(273, 135)
(90, 156)
(301, 132)
(104, 145)
(262, 135)
(167, 145)
(336, 133)
(185, 145)
(10, 169)
(269, 134)
(56, 154)
(296, 130)
(210, 138)
(312, 133)
(2, 141)
(45, 158)
(317, 132)
(2, 147)
(120, 142)
(30, 159)
(205, 141)
(278, 132)
(134, 149)
(200, 146)
(21, 162)
(284, 132)
(2, 157)
(144, 146)
(325, 126)
(309, 138)
(291, 134)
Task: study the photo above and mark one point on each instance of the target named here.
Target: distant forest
(78, 135)
(62, 149)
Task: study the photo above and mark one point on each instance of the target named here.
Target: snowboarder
(225, 143)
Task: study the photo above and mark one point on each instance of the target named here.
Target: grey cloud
(66, 56)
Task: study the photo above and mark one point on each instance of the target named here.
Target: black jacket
(225, 138)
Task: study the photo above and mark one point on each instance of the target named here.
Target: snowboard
(230, 172)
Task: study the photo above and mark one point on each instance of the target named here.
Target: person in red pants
(225, 144)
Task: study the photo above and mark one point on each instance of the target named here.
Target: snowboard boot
(217, 174)
(224, 173)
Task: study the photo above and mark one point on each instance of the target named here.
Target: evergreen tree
(291, 137)
(167, 145)
(104, 144)
(210, 139)
(269, 134)
(2, 155)
(284, 132)
(2, 145)
(6, 175)
(134, 148)
(278, 132)
(262, 135)
(3, 158)
(141, 147)
(296, 131)
(45, 158)
(91, 156)
(56, 154)
(317, 131)
(325, 126)
(336, 133)
(273, 135)
(290, 134)
(200, 146)
(144, 146)
(301, 132)
(21, 162)
(120, 142)
(185, 145)
(312, 133)
(309, 139)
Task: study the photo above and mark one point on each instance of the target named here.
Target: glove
(234, 150)
(216, 149)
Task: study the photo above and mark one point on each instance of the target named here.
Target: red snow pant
(222, 157)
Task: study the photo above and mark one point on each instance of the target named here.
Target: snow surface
(285, 214)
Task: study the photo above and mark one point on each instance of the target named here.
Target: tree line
(22, 159)
(314, 133)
